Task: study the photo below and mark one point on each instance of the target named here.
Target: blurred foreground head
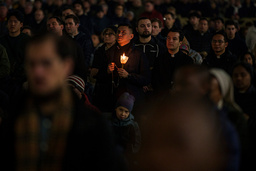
(49, 60)
(182, 134)
(192, 79)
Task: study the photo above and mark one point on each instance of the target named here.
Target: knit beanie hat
(126, 100)
(77, 81)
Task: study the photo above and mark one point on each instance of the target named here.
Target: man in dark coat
(14, 43)
(220, 56)
(166, 65)
(50, 129)
(235, 44)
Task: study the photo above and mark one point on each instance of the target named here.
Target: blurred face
(95, 40)
(54, 26)
(78, 9)
(66, 13)
(231, 31)
(193, 20)
(109, 37)
(39, 15)
(28, 8)
(27, 31)
(122, 112)
(3, 11)
(144, 28)
(248, 59)
(173, 42)
(46, 71)
(218, 25)
(149, 7)
(71, 27)
(124, 35)
(168, 21)
(155, 28)
(14, 25)
(100, 14)
(218, 44)
(241, 78)
(203, 26)
(119, 10)
(37, 4)
(215, 92)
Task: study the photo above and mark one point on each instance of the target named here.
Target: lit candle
(123, 59)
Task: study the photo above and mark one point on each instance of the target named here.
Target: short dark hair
(249, 53)
(231, 22)
(204, 18)
(59, 42)
(66, 7)
(74, 17)
(170, 13)
(142, 18)
(16, 13)
(181, 36)
(58, 19)
(126, 25)
(157, 20)
(223, 34)
(194, 14)
(219, 18)
(78, 2)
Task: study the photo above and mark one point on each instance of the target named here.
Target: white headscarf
(226, 86)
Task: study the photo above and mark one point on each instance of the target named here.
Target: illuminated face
(241, 78)
(46, 71)
(124, 35)
(122, 112)
(218, 44)
(71, 27)
(173, 42)
(155, 28)
(14, 25)
(54, 26)
(231, 31)
(144, 28)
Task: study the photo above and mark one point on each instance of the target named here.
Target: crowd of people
(127, 85)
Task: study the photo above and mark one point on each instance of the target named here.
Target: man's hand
(111, 67)
(122, 73)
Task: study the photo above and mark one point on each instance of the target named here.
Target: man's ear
(226, 44)
(62, 26)
(131, 36)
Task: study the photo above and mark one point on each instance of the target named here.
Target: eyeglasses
(108, 34)
(217, 41)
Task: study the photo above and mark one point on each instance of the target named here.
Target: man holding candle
(135, 72)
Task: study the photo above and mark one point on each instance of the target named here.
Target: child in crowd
(126, 129)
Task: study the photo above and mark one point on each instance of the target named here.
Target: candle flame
(123, 58)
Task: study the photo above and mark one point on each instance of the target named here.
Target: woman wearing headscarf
(222, 94)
